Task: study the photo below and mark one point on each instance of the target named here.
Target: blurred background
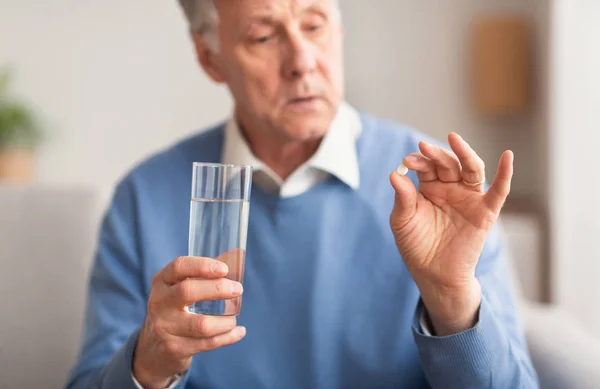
(95, 87)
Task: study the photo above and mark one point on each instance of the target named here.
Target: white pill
(402, 170)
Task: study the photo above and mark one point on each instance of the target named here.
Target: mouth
(305, 102)
(303, 99)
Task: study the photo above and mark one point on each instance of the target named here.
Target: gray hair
(203, 18)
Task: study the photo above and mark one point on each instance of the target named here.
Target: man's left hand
(440, 230)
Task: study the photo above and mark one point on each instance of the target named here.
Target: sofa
(47, 240)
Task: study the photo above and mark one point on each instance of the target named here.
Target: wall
(410, 63)
(115, 80)
(575, 141)
(118, 79)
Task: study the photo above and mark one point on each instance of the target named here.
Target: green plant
(19, 127)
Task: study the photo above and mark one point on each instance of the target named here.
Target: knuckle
(221, 286)
(209, 266)
(202, 325)
(480, 163)
(453, 162)
(179, 265)
(155, 300)
(212, 343)
(185, 289)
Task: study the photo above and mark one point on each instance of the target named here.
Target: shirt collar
(336, 155)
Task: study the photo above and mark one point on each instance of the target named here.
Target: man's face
(282, 61)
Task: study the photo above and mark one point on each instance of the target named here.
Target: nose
(300, 57)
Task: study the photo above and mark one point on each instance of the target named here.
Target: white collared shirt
(336, 156)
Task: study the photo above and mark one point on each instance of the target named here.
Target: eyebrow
(261, 18)
(266, 17)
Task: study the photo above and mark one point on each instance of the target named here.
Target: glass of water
(219, 224)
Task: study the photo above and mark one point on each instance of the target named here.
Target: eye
(313, 27)
(263, 39)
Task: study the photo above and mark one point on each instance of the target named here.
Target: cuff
(461, 358)
(176, 380)
(423, 326)
(424, 323)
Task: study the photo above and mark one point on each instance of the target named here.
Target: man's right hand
(171, 335)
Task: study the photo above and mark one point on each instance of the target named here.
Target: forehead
(247, 10)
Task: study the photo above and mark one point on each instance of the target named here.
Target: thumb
(405, 202)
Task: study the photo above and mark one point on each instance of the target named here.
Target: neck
(284, 159)
(282, 156)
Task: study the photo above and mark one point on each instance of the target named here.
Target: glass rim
(221, 165)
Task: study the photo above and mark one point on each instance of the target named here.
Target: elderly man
(334, 297)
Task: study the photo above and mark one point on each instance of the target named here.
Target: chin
(306, 129)
(308, 126)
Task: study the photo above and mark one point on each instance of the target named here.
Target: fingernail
(238, 289)
(412, 158)
(219, 267)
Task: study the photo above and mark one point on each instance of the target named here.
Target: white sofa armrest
(563, 353)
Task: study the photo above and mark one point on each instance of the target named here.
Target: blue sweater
(328, 302)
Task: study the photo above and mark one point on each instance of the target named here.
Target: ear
(207, 59)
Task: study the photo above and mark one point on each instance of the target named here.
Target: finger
(473, 168)
(190, 291)
(425, 167)
(207, 344)
(405, 201)
(185, 347)
(193, 267)
(500, 188)
(448, 166)
(203, 326)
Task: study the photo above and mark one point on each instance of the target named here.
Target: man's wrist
(150, 375)
(148, 382)
(452, 310)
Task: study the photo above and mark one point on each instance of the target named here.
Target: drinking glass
(219, 212)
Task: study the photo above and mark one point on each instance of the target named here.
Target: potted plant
(20, 135)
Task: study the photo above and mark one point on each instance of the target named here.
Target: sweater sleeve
(492, 354)
(116, 302)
